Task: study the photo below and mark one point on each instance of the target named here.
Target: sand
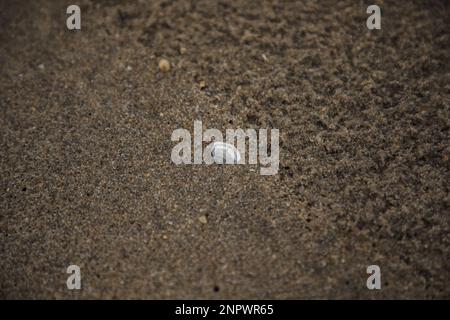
(87, 179)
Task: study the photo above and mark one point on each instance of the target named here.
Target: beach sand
(87, 178)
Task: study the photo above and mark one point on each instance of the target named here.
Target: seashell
(225, 153)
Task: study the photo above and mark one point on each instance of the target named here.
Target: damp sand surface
(86, 177)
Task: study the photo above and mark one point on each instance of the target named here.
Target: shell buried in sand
(225, 153)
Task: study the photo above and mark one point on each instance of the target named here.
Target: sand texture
(87, 179)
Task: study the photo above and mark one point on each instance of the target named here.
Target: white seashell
(225, 153)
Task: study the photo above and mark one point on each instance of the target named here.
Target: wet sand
(87, 179)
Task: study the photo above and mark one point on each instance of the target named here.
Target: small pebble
(164, 65)
(41, 66)
(202, 85)
(202, 219)
(183, 50)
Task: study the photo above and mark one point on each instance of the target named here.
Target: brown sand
(86, 175)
